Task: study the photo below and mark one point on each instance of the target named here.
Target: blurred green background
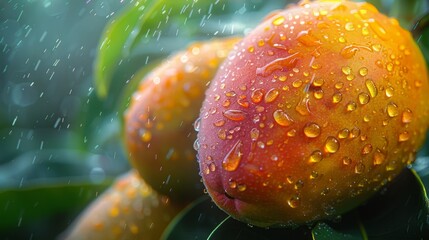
(60, 144)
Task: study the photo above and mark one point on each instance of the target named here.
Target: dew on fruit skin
(367, 149)
(318, 94)
(271, 95)
(350, 51)
(212, 167)
(343, 133)
(379, 157)
(346, 70)
(359, 168)
(376, 47)
(233, 158)
(241, 187)
(221, 134)
(302, 107)
(196, 144)
(346, 161)
(254, 134)
(282, 118)
(403, 136)
(349, 26)
(226, 103)
(354, 133)
(278, 21)
(378, 29)
(337, 97)
(297, 83)
(407, 116)
(197, 124)
(370, 85)
(278, 64)
(389, 92)
(392, 110)
(145, 135)
(298, 184)
(363, 71)
(351, 106)
(291, 133)
(219, 123)
(314, 175)
(294, 201)
(251, 49)
(257, 95)
(234, 115)
(316, 157)
(274, 157)
(232, 184)
(312, 130)
(331, 145)
(363, 98)
(307, 39)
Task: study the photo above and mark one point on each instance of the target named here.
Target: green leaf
(233, 229)
(407, 11)
(196, 221)
(399, 211)
(113, 45)
(25, 206)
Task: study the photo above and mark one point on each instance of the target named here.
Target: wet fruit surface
(159, 131)
(336, 107)
(128, 210)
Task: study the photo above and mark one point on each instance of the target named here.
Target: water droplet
(363, 98)
(363, 71)
(312, 130)
(343, 133)
(299, 184)
(271, 95)
(282, 118)
(254, 134)
(389, 92)
(219, 123)
(365, 31)
(337, 97)
(366, 149)
(232, 184)
(378, 29)
(404, 136)
(350, 51)
(371, 88)
(318, 82)
(212, 167)
(331, 145)
(291, 133)
(354, 133)
(221, 134)
(392, 110)
(197, 124)
(251, 49)
(302, 107)
(318, 94)
(230, 94)
(306, 38)
(351, 106)
(282, 64)
(389, 67)
(196, 144)
(226, 103)
(233, 157)
(316, 157)
(145, 135)
(257, 95)
(359, 168)
(294, 202)
(379, 157)
(376, 47)
(241, 187)
(297, 84)
(278, 20)
(407, 116)
(346, 70)
(349, 26)
(234, 115)
(347, 161)
(314, 175)
(274, 158)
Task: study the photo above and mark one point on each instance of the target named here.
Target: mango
(315, 110)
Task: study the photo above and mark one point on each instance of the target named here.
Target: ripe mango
(314, 111)
(130, 209)
(159, 132)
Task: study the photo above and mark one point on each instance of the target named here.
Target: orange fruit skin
(336, 107)
(130, 209)
(159, 132)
